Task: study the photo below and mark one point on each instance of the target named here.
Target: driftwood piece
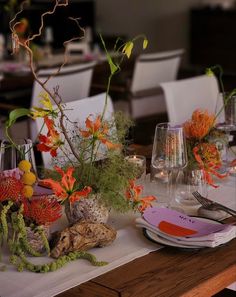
(81, 237)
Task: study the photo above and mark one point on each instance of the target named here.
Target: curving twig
(26, 45)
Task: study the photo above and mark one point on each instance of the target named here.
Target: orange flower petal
(79, 194)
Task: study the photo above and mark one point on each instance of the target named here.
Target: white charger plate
(163, 241)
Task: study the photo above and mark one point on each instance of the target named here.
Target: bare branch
(26, 45)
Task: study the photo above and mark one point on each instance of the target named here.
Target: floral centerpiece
(205, 142)
(203, 152)
(89, 163)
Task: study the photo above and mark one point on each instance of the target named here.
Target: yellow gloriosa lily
(209, 72)
(46, 102)
(145, 43)
(127, 49)
(39, 112)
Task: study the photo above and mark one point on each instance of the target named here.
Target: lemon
(29, 178)
(28, 191)
(24, 165)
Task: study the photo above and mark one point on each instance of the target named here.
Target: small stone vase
(89, 209)
(35, 239)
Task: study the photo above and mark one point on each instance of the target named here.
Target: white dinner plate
(163, 241)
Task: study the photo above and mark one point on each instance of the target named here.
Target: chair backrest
(77, 112)
(152, 69)
(184, 96)
(78, 48)
(73, 81)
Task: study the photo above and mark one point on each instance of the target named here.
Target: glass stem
(172, 177)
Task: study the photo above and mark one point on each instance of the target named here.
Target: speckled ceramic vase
(35, 240)
(89, 209)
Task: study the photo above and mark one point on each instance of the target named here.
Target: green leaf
(16, 114)
(112, 65)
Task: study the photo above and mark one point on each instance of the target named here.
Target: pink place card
(177, 224)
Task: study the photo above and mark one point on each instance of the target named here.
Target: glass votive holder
(140, 162)
(232, 170)
(158, 175)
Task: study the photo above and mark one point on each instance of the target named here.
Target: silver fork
(211, 205)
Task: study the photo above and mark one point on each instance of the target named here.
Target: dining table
(137, 266)
(166, 272)
(170, 271)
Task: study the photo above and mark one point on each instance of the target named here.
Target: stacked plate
(169, 227)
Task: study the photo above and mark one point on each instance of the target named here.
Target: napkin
(182, 229)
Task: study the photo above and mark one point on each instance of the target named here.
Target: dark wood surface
(169, 272)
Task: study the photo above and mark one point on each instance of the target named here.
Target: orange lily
(133, 193)
(146, 202)
(208, 158)
(98, 131)
(52, 141)
(65, 189)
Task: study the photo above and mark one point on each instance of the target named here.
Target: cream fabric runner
(129, 245)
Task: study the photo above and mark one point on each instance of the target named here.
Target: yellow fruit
(28, 191)
(29, 178)
(24, 165)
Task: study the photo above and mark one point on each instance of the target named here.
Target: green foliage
(122, 123)
(15, 115)
(113, 181)
(108, 176)
(20, 247)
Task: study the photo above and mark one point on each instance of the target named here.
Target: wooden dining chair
(150, 70)
(184, 96)
(77, 111)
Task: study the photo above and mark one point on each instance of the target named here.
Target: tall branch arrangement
(124, 50)
(111, 179)
(116, 173)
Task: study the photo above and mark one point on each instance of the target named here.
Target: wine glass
(10, 155)
(169, 155)
(227, 122)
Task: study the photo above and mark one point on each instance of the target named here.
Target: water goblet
(11, 155)
(227, 122)
(169, 155)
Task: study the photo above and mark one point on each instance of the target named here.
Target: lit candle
(162, 176)
(136, 159)
(139, 161)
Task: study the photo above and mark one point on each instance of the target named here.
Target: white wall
(165, 22)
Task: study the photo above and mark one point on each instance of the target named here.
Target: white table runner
(129, 245)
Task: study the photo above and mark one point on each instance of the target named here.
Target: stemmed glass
(10, 155)
(169, 155)
(227, 124)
